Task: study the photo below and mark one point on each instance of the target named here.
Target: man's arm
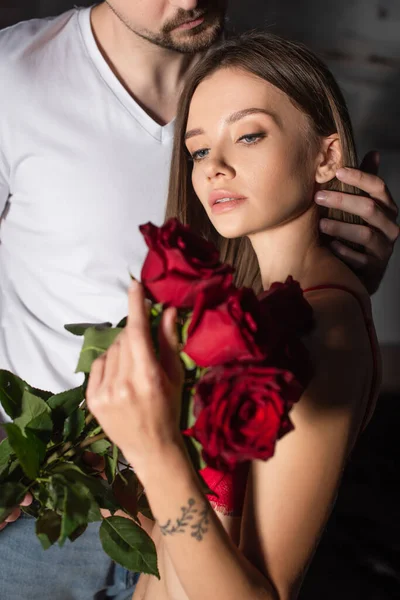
(378, 210)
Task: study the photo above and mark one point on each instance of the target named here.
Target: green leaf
(77, 503)
(110, 464)
(125, 489)
(12, 472)
(144, 507)
(11, 496)
(8, 461)
(12, 389)
(33, 510)
(74, 425)
(74, 501)
(80, 328)
(99, 447)
(95, 343)
(99, 489)
(94, 513)
(78, 532)
(64, 404)
(6, 453)
(122, 323)
(42, 495)
(31, 407)
(48, 528)
(129, 545)
(35, 415)
(30, 450)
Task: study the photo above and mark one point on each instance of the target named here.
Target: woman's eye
(200, 154)
(251, 138)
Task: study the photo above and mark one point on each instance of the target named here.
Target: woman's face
(253, 167)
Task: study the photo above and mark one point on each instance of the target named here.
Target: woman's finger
(96, 376)
(138, 329)
(111, 364)
(169, 346)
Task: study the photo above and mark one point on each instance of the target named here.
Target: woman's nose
(216, 168)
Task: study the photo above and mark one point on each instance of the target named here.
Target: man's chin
(190, 43)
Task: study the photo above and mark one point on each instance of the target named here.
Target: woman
(261, 126)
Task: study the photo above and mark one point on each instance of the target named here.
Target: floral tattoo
(192, 519)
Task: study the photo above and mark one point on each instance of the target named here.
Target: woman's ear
(329, 159)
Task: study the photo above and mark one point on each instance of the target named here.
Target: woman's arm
(206, 561)
(291, 496)
(292, 493)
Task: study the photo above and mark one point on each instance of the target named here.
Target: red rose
(228, 327)
(295, 357)
(180, 265)
(285, 304)
(241, 413)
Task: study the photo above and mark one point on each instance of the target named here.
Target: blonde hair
(307, 81)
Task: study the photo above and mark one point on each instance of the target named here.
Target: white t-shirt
(82, 165)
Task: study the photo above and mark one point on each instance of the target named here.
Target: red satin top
(230, 488)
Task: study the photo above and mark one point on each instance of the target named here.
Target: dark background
(359, 555)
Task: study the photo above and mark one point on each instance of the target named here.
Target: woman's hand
(377, 208)
(135, 397)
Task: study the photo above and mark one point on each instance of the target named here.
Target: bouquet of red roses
(245, 367)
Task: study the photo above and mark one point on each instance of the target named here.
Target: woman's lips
(225, 205)
(221, 201)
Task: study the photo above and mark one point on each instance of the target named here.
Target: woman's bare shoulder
(337, 294)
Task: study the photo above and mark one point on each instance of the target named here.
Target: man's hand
(16, 513)
(378, 210)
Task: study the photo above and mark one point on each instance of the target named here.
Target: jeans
(78, 571)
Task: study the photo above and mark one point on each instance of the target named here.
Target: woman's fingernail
(321, 197)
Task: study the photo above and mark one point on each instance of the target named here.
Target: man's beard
(188, 41)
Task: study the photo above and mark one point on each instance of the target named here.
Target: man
(86, 127)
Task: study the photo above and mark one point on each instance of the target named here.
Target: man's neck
(152, 75)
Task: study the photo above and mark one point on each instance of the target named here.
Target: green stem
(59, 453)
(92, 440)
(89, 419)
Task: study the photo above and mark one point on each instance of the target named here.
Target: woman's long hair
(307, 81)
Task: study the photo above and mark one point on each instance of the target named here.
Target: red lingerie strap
(370, 328)
(230, 489)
